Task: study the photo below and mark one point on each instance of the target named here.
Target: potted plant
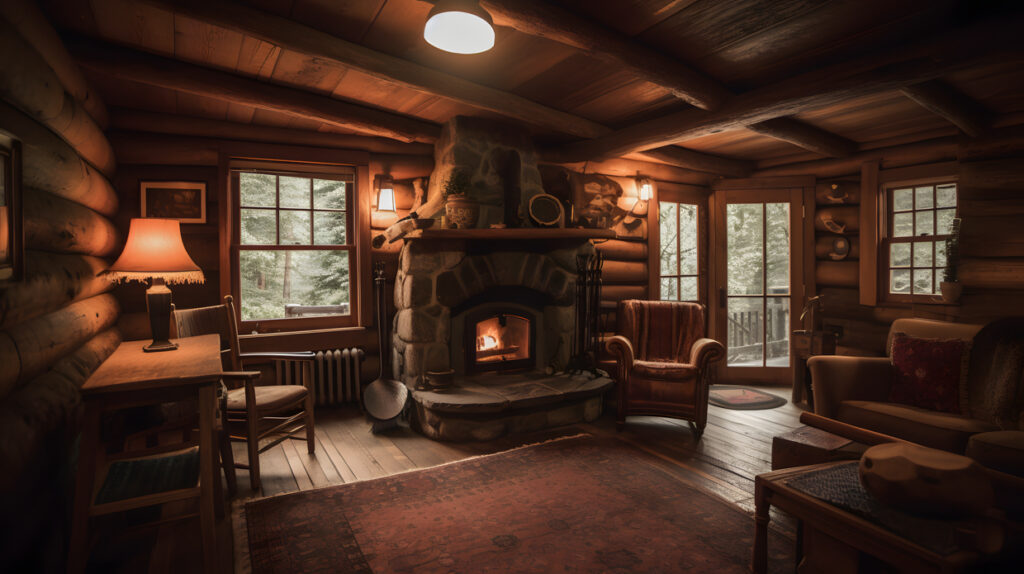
(950, 287)
(460, 210)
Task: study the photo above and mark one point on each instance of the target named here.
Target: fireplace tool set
(587, 335)
(384, 398)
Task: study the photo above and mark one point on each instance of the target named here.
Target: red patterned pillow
(930, 373)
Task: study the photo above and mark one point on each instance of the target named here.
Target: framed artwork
(181, 200)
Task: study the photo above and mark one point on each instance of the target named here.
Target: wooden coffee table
(831, 539)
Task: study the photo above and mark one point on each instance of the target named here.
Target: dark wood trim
(171, 74)
(806, 136)
(927, 173)
(947, 102)
(870, 234)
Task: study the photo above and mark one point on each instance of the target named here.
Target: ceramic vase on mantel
(461, 212)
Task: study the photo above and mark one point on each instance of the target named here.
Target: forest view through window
(678, 251)
(294, 245)
(920, 220)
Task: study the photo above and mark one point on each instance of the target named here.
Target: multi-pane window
(295, 244)
(920, 219)
(678, 251)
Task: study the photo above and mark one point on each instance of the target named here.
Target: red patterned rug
(582, 504)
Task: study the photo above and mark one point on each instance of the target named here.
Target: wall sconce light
(386, 194)
(460, 27)
(645, 188)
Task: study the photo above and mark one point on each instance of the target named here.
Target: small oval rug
(743, 398)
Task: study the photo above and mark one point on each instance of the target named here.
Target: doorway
(759, 281)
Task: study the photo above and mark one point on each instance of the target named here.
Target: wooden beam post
(945, 101)
(174, 75)
(870, 234)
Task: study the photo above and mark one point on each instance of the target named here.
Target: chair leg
(252, 440)
(227, 458)
(310, 425)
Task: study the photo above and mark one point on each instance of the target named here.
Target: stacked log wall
(57, 320)
(990, 172)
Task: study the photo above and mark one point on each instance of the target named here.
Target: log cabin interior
(458, 258)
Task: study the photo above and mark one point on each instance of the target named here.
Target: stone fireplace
(496, 304)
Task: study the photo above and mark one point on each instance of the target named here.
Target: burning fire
(486, 343)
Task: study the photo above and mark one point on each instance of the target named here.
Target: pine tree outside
(294, 252)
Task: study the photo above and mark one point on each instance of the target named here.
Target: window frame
(886, 239)
(679, 194)
(343, 172)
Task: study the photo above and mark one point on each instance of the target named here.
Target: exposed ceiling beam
(291, 35)
(554, 23)
(945, 101)
(174, 75)
(130, 120)
(806, 136)
(878, 72)
(560, 25)
(698, 161)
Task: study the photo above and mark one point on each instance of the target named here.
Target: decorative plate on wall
(546, 210)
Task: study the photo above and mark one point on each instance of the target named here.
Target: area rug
(743, 398)
(583, 504)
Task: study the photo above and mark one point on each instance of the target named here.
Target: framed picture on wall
(181, 200)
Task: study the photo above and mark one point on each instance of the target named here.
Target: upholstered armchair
(664, 361)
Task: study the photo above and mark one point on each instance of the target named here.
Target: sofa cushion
(930, 373)
(944, 431)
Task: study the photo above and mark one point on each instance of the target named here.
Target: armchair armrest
(704, 352)
(837, 378)
(622, 350)
(241, 375)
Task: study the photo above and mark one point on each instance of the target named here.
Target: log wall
(56, 323)
(991, 185)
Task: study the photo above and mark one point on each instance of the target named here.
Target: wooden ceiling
(711, 85)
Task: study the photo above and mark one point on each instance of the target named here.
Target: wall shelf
(519, 233)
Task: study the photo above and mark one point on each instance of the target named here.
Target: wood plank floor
(736, 446)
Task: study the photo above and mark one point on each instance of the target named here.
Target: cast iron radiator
(336, 375)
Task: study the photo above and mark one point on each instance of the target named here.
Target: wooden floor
(736, 446)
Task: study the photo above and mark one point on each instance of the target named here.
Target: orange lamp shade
(154, 250)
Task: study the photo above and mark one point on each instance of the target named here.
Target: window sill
(306, 340)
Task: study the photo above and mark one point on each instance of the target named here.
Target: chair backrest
(930, 329)
(216, 319)
(661, 331)
(995, 378)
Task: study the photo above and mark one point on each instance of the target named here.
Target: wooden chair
(253, 412)
(664, 361)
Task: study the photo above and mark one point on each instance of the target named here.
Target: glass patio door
(759, 255)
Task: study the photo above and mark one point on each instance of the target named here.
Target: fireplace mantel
(518, 233)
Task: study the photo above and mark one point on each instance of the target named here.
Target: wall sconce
(645, 188)
(386, 194)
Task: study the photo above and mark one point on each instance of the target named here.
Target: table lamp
(154, 251)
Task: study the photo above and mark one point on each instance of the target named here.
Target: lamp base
(157, 346)
(158, 303)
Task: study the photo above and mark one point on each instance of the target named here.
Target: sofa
(857, 391)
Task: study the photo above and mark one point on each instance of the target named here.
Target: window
(294, 248)
(920, 218)
(678, 255)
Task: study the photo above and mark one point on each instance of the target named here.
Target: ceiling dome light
(460, 27)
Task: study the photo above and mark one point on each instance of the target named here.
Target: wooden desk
(130, 377)
(835, 538)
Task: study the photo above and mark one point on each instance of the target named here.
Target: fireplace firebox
(499, 340)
